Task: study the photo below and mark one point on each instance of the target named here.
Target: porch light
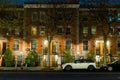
(78, 52)
(56, 57)
(44, 57)
(21, 52)
(108, 43)
(45, 42)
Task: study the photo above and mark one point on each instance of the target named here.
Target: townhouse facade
(73, 27)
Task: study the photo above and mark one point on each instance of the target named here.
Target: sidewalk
(29, 69)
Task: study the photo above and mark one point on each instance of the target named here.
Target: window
(93, 17)
(85, 30)
(111, 31)
(34, 16)
(85, 45)
(68, 31)
(93, 30)
(42, 30)
(118, 31)
(55, 48)
(85, 16)
(34, 30)
(118, 45)
(17, 31)
(60, 30)
(110, 18)
(118, 17)
(16, 45)
(68, 16)
(68, 43)
(42, 16)
(33, 44)
(60, 16)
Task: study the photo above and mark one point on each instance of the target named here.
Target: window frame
(85, 47)
(68, 30)
(42, 16)
(33, 44)
(92, 31)
(60, 30)
(34, 16)
(68, 44)
(85, 30)
(16, 46)
(42, 32)
(34, 30)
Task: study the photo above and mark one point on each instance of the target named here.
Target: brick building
(73, 27)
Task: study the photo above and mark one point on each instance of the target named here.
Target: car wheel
(68, 68)
(110, 68)
(91, 68)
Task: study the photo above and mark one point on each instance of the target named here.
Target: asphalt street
(59, 75)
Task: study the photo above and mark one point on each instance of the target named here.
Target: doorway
(99, 50)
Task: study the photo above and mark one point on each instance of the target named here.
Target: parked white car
(80, 64)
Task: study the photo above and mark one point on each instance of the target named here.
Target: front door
(55, 52)
(99, 48)
(4, 46)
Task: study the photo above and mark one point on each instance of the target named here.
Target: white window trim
(42, 32)
(19, 44)
(31, 44)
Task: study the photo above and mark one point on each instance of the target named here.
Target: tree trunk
(105, 49)
(48, 62)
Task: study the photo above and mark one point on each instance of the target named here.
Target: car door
(77, 64)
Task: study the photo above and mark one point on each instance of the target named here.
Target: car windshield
(114, 61)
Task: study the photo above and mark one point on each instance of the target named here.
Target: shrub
(90, 55)
(8, 57)
(32, 58)
(67, 55)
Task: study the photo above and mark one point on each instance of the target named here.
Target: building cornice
(51, 5)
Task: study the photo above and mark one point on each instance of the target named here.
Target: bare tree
(57, 14)
(102, 12)
(10, 19)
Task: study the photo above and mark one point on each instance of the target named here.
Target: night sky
(80, 1)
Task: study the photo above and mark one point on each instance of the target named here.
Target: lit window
(42, 16)
(85, 30)
(55, 48)
(16, 45)
(93, 30)
(110, 18)
(33, 44)
(118, 17)
(68, 43)
(34, 30)
(85, 45)
(34, 16)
